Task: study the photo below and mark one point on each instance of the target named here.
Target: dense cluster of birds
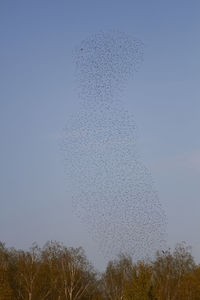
(112, 191)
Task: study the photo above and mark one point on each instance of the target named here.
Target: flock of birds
(112, 190)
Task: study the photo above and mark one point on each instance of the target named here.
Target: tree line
(57, 272)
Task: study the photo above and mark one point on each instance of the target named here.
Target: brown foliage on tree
(5, 289)
(169, 269)
(56, 272)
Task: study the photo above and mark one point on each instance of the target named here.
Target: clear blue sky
(37, 96)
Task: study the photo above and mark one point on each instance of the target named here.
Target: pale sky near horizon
(38, 95)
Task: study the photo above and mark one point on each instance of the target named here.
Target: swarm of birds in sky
(111, 189)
